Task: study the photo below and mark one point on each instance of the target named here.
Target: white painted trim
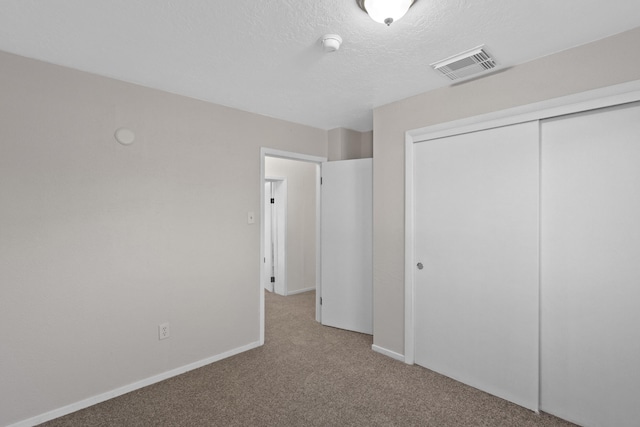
(318, 243)
(301, 291)
(292, 156)
(584, 101)
(388, 353)
(409, 323)
(270, 152)
(590, 100)
(65, 410)
(261, 260)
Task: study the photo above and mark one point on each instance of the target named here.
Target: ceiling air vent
(466, 64)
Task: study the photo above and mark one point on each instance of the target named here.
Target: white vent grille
(466, 64)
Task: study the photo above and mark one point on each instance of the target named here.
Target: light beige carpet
(307, 375)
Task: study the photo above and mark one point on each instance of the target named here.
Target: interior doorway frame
(317, 160)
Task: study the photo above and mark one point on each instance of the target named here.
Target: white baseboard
(388, 353)
(65, 410)
(300, 291)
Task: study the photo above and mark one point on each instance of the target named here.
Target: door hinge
(273, 201)
(320, 300)
(320, 180)
(273, 279)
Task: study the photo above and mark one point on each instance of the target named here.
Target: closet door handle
(420, 266)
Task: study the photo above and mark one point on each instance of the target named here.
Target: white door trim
(590, 100)
(270, 152)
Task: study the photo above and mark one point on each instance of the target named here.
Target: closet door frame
(585, 101)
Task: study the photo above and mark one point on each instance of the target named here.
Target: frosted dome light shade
(387, 11)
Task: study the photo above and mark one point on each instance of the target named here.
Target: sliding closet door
(476, 233)
(590, 267)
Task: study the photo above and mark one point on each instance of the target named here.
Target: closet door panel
(590, 267)
(476, 236)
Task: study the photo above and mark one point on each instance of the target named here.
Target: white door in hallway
(590, 234)
(346, 235)
(275, 223)
(269, 250)
(476, 256)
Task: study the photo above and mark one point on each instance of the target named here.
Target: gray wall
(603, 63)
(347, 144)
(99, 243)
(301, 220)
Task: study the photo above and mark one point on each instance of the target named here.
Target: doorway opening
(292, 281)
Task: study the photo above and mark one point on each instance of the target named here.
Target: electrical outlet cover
(163, 331)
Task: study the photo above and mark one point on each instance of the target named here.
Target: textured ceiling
(264, 56)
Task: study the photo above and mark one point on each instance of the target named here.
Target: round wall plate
(125, 136)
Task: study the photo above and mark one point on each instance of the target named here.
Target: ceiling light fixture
(385, 11)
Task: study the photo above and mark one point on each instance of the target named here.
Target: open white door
(347, 229)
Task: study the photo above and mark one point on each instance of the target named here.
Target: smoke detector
(466, 64)
(331, 42)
